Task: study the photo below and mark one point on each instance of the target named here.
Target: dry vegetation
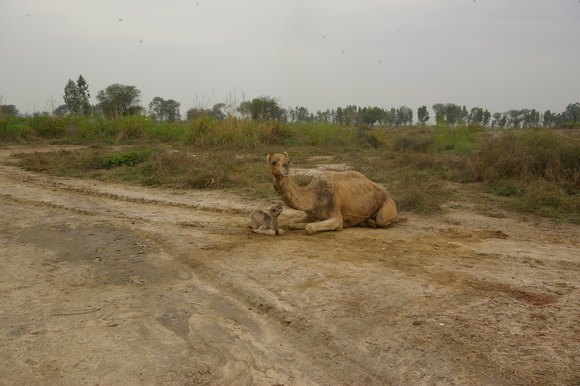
(534, 171)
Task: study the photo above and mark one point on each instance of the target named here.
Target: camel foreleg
(302, 223)
(312, 225)
(332, 224)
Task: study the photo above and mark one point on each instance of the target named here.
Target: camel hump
(357, 181)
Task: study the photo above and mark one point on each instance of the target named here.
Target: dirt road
(102, 284)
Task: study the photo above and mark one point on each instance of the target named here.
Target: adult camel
(333, 200)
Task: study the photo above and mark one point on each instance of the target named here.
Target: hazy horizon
(320, 55)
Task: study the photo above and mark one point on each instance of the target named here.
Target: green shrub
(274, 133)
(198, 129)
(166, 132)
(458, 139)
(132, 127)
(48, 126)
(547, 199)
(413, 142)
(367, 137)
(127, 159)
(321, 134)
(15, 131)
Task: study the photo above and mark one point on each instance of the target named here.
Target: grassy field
(532, 171)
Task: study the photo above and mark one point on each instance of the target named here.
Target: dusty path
(113, 285)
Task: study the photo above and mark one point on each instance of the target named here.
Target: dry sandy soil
(103, 284)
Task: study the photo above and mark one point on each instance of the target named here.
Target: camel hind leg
(387, 214)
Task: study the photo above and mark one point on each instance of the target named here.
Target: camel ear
(286, 154)
(268, 158)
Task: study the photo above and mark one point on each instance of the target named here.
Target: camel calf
(266, 223)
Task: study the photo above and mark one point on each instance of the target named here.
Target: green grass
(533, 172)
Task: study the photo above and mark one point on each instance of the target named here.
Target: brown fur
(333, 200)
(266, 223)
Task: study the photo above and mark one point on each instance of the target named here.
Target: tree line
(119, 100)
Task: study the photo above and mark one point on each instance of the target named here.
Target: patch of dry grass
(534, 172)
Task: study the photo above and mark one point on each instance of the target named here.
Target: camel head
(275, 210)
(279, 164)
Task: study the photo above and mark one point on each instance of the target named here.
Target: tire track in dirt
(263, 303)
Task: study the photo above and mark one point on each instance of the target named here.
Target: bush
(413, 142)
(47, 126)
(15, 131)
(127, 159)
(458, 139)
(165, 132)
(132, 127)
(529, 156)
(420, 192)
(274, 133)
(198, 131)
(367, 137)
(319, 134)
(546, 199)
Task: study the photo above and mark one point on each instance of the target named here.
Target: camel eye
(273, 162)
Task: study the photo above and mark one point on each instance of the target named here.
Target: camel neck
(290, 193)
(284, 184)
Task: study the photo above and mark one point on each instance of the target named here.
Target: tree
(61, 111)
(340, 116)
(515, 117)
(450, 113)
(439, 109)
(572, 113)
(463, 115)
(7, 111)
(164, 109)
(76, 96)
(476, 115)
(118, 100)
(404, 115)
(323, 116)
(499, 120)
(195, 113)
(302, 114)
(83, 90)
(531, 118)
(372, 115)
(549, 119)
(486, 117)
(71, 97)
(352, 115)
(422, 115)
(264, 108)
(156, 107)
(453, 113)
(217, 111)
(171, 110)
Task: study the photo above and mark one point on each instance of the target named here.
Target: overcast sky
(494, 54)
